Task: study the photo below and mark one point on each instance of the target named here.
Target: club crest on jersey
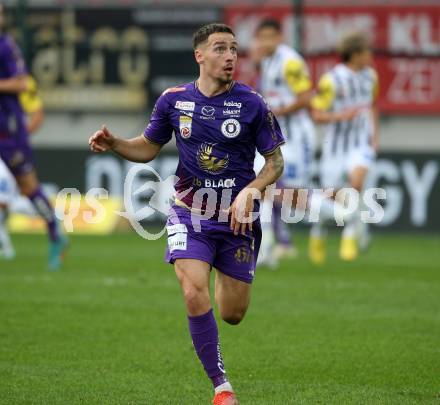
(210, 163)
(185, 124)
(231, 128)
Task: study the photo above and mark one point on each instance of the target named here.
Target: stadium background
(106, 62)
(109, 328)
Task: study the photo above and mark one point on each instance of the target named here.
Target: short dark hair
(355, 42)
(269, 23)
(203, 33)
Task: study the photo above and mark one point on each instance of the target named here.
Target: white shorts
(298, 162)
(8, 186)
(335, 169)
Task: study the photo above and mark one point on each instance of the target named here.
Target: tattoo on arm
(274, 165)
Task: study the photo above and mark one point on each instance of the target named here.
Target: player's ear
(198, 54)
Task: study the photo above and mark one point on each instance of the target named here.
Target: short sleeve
(297, 75)
(159, 130)
(323, 100)
(12, 59)
(268, 134)
(29, 99)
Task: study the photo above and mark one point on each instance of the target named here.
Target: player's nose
(230, 55)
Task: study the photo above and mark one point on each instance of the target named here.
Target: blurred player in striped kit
(285, 83)
(345, 102)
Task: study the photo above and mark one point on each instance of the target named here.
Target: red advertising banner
(406, 40)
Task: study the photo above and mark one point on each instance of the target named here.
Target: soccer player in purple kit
(15, 149)
(218, 124)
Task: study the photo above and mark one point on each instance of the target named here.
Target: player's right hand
(102, 140)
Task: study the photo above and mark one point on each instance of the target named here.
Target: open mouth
(228, 69)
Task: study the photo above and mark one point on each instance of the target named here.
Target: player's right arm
(143, 148)
(13, 85)
(138, 149)
(322, 103)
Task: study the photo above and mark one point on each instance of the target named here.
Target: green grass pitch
(110, 328)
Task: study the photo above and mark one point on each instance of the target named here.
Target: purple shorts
(17, 155)
(235, 256)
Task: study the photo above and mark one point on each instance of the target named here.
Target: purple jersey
(216, 137)
(12, 120)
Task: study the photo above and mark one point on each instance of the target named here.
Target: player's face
(364, 58)
(268, 39)
(218, 56)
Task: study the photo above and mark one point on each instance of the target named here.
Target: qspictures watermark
(208, 203)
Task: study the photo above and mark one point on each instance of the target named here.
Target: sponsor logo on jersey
(185, 105)
(231, 113)
(231, 128)
(211, 183)
(185, 124)
(232, 104)
(177, 241)
(210, 163)
(208, 111)
(176, 228)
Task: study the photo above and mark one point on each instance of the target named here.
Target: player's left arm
(297, 77)
(375, 113)
(268, 139)
(243, 205)
(270, 172)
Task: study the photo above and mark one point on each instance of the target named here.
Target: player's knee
(233, 318)
(195, 298)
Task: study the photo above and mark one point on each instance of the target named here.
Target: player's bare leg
(232, 298)
(358, 182)
(193, 276)
(349, 243)
(30, 187)
(357, 177)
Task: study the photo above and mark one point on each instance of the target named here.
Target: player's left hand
(241, 212)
